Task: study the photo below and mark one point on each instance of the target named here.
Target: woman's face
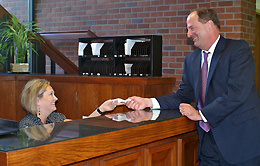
(47, 101)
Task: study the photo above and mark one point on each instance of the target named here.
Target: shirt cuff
(203, 117)
(156, 104)
(156, 114)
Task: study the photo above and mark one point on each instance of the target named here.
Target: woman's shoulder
(56, 117)
(29, 120)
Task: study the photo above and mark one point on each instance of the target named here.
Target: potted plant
(16, 39)
(2, 62)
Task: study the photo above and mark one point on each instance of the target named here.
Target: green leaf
(16, 38)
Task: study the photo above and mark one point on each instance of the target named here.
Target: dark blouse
(31, 120)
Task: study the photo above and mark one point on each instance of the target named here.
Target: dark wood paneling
(66, 92)
(79, 95)
(8, 95)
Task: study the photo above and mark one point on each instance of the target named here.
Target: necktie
(204, 76)
(204, 125)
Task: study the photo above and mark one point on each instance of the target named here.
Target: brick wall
(134, 17)
(17, 7)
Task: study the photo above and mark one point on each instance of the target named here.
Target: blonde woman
(38, 99)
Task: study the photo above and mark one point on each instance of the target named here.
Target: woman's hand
(109, 105)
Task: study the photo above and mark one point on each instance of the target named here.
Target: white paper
(120, 117)
(119, 100)
(84, 117)
(129, 45)
(96, 47)
(128, 67)
(81, 48)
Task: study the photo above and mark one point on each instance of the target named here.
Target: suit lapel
(214, 61)
(196, 66)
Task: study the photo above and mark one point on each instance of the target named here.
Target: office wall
(134, 17)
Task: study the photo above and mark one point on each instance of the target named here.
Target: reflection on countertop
(50, 133)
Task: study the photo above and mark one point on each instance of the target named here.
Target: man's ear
(211, 23)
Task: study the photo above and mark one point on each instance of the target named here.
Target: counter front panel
(84, 139)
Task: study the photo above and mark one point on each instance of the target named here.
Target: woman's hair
(40, 132)
(33, 89)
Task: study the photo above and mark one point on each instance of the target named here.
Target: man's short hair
(206, 14)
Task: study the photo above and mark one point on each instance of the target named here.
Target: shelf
(145, 55)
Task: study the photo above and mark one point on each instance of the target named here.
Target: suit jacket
(232, 105)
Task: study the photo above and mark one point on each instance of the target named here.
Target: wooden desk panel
(80, 95)
(101, 146)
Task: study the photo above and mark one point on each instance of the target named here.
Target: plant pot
(20, 67)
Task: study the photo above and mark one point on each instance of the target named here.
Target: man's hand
(139, 116)
(139, 103)
(190, 112)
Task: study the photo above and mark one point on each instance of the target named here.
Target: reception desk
(80, 95)
(103, 142)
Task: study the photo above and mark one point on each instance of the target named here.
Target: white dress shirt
(156, 104)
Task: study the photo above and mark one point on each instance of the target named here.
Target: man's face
(198, 31)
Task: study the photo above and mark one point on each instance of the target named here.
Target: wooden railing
(50, 50)
(3, 12)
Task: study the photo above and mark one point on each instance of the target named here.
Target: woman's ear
(37, 101)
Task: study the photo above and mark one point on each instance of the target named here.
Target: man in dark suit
(227, 102)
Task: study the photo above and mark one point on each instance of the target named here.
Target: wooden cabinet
(175, 151)
(132, 157)
(161, 153)
(80, 95)
(188, 149)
